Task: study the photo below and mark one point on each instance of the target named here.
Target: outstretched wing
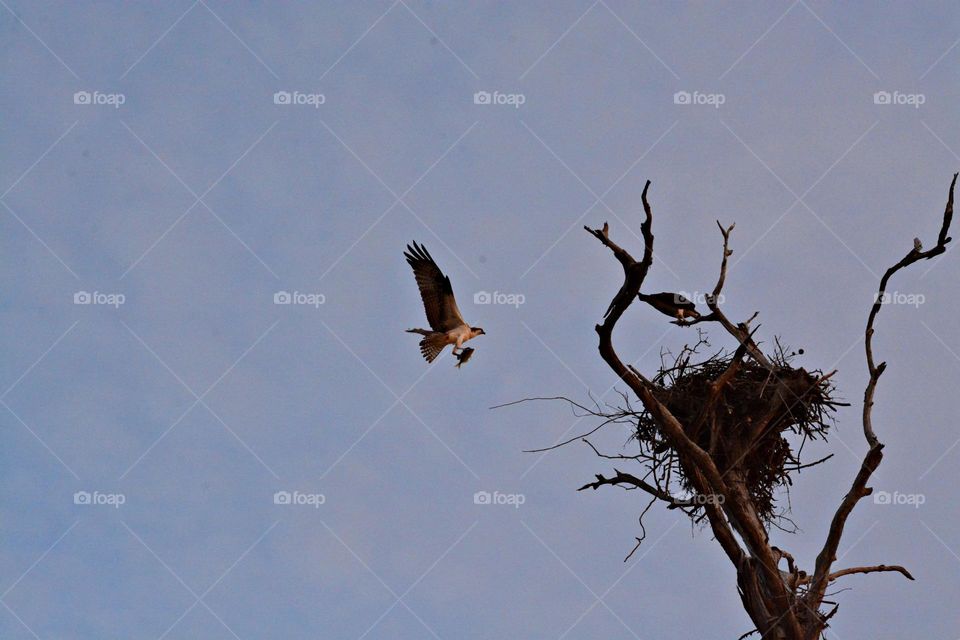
(435, 290)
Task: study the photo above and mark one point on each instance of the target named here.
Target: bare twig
(874, 455)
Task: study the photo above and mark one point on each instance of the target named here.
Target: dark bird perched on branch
(447, 326)
(671, 304)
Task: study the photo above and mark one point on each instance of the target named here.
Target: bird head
(477, 331)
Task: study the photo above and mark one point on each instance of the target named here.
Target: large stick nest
(754, 426)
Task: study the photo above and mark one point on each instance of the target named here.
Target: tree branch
(872, 569)
(701, 470)
(874, 455)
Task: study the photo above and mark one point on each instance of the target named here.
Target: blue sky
(174, 186)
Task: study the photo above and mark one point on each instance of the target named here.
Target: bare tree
(716, 437)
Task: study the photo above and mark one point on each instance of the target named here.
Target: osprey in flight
(671, 304)
(447, 326)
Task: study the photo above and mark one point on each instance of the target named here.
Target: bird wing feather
(435, 289)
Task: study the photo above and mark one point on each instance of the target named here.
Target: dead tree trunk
(713, 458)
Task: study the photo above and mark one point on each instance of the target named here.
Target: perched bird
(447, 326)
(671, 304)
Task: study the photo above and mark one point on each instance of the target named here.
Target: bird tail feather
(432, 344)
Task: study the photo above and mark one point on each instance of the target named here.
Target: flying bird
(671, 304)
(447, 326)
